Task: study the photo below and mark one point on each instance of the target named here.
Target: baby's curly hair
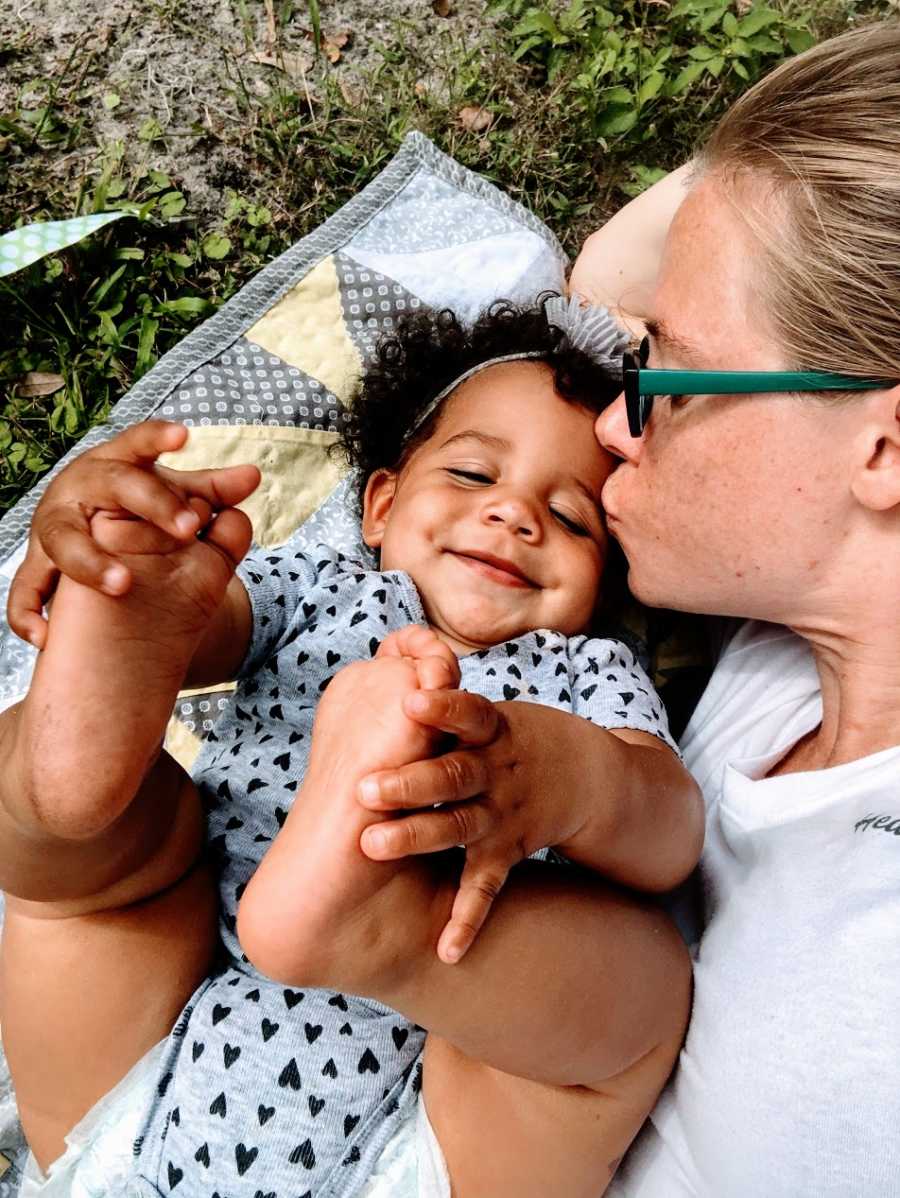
(428, 350)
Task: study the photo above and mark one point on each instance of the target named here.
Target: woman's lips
(496, 569)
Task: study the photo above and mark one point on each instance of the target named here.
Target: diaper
(99, 1158)
(412, 1164)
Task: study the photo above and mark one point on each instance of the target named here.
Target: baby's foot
(318, 911)
(106, 681)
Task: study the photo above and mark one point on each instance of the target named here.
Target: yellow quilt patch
(306, 329)
(298, 473)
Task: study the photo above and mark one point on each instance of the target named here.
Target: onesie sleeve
(610, 689)
(276, 581)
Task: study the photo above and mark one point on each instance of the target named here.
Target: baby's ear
(377, 503)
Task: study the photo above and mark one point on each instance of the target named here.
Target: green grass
(589, 103)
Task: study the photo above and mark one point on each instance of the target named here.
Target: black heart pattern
(244, 1157)
(290, 1075)
(303, 1155)
(368, 1062)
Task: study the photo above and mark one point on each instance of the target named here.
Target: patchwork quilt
(268, 379)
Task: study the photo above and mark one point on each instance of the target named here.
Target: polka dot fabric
(249, 385)
(20, 247)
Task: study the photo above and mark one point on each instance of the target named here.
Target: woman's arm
(618, 265)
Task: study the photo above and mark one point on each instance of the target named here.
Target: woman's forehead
(705, 309)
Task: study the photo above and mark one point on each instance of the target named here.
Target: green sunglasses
(641, 385)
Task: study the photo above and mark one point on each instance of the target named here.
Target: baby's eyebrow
(473, 434)
(593, 499)
(587, 492)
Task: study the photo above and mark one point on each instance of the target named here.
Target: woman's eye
(470, 476)
(570, 524)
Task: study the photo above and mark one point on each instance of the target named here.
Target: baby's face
(497, 516)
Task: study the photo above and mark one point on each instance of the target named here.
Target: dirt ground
(194, 66)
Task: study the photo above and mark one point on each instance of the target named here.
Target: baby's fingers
(65, 541)
(480, 883)
(33, 584)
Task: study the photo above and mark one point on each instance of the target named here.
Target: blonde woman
(779, 249)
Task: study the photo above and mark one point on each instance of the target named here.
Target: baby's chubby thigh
(86, 997)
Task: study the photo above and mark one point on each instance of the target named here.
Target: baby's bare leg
(110, 919)
(555, 1032)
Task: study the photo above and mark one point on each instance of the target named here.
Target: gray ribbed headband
(588, 328)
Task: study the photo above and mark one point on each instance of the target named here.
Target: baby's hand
(122, 480)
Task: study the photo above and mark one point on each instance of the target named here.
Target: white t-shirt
(789, 1081)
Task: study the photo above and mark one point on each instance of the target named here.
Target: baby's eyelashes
(572, 525)
(469, 475)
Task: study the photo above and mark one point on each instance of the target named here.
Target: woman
(783, 508)
(780, 250)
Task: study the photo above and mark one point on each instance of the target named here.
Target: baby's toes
(437, 673)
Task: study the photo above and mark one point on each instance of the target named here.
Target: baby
(480, 492)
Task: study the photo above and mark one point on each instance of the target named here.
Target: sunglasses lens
(637, 406)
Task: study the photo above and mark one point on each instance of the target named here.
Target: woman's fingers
(450, 778)
(479, 885)
(429, 831)
(470, 717)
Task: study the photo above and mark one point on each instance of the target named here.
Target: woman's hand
(122, 480)
(503, 791)
(618, 264)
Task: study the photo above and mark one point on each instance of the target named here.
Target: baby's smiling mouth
(497, 569)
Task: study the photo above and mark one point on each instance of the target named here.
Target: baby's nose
(516, 513)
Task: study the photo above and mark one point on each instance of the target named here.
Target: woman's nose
(515, 512)
(611, 430)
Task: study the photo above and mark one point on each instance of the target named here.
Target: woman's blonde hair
(823, 130)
